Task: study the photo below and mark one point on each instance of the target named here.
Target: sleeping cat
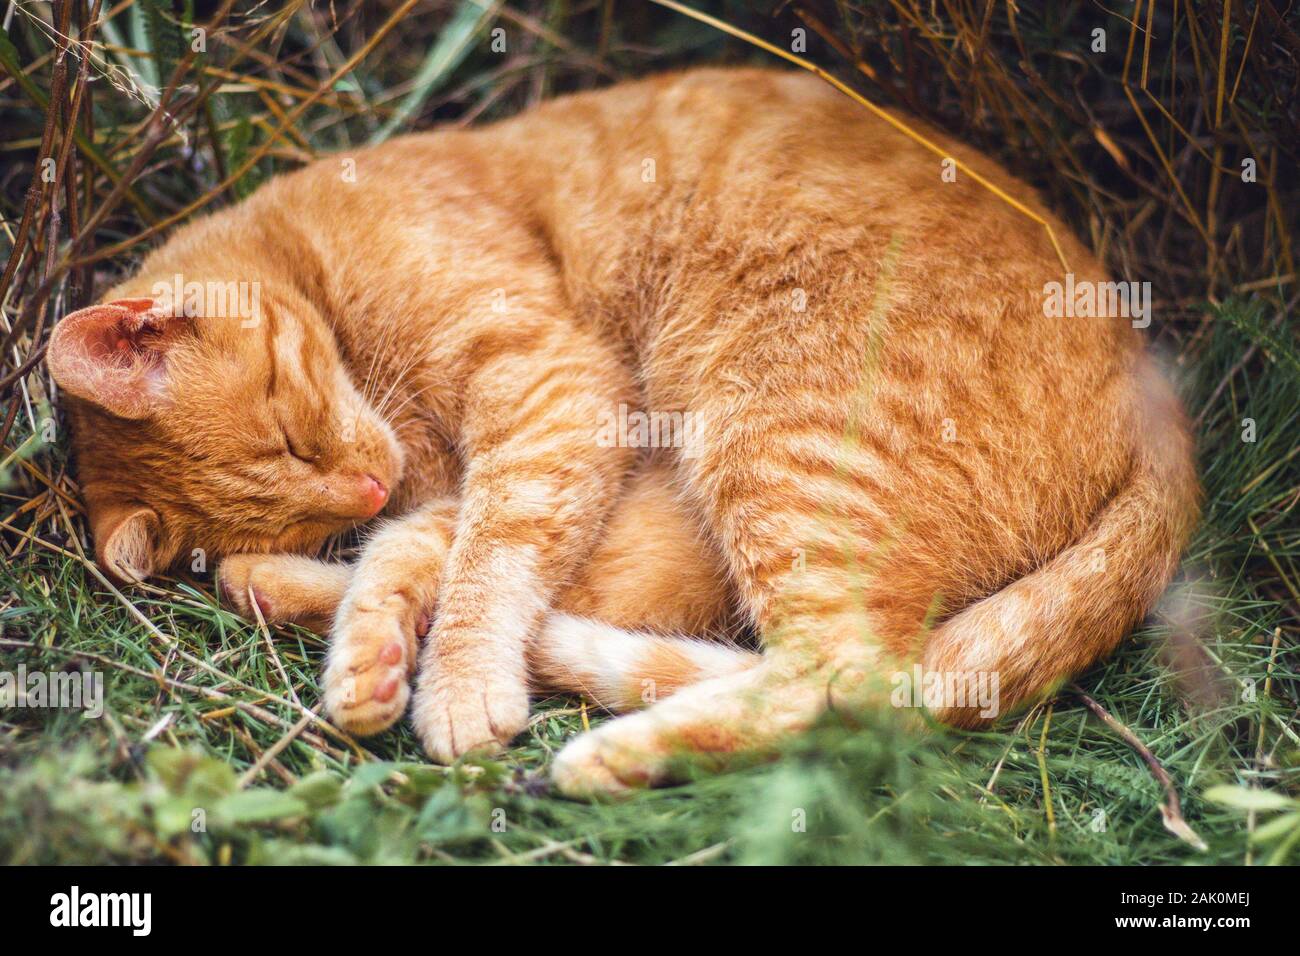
(897, 455)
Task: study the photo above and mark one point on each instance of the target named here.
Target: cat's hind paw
(580, 771)
(736, 717)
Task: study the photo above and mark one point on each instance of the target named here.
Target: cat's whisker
(411, 364)
(391, 416)
(368, 385)
(389, 341)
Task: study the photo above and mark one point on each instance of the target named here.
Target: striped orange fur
(899, 455)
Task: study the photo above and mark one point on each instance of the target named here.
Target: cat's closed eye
(298, 451)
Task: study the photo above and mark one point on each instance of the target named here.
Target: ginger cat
(899, 456)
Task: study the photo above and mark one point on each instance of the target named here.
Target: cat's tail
(624, 670)
(1064, 616)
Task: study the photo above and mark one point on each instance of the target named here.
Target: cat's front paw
(285, 588)
(366, 680)
(454, 716)
(237, 578)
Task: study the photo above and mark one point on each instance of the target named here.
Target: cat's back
(762, 237)
(733, 168)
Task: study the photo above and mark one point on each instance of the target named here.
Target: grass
(203, 753)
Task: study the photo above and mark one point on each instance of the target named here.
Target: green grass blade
(444, 56)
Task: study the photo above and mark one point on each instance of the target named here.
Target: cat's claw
(366, 676)
(453, 718)
(235, 580)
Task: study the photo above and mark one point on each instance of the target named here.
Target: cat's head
(227, 434)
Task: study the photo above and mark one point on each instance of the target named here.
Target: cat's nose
(375, 492)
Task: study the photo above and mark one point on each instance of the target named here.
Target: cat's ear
(126, 541)
(115, 354)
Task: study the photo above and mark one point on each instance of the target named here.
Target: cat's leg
(538, 485)
(747, 712)
(288, 588)
(393, 588)
(803, 533)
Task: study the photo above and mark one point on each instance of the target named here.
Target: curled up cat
(895, 455)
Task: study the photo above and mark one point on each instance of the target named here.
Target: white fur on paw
(453, 717)
(365, 681)
(579, 771)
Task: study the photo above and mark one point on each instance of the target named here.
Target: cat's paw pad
(365, 681)
(453, 718)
